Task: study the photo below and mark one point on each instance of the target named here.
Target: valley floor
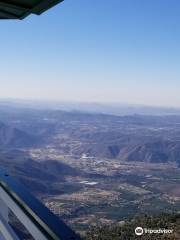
(110, 191)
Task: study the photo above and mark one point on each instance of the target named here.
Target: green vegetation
(126, 231)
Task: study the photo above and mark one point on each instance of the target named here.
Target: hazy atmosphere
(102, 51)
(90, 120)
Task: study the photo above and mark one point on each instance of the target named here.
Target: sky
(125, 51)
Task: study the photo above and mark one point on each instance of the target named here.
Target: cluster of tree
(126, 231)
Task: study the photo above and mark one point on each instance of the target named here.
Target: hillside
(11, 137)
(133, 138)
(126, 231)
(94, 168)
(40, 177)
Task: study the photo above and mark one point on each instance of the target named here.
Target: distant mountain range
(127, 138)
(91, 107)
(154, 151)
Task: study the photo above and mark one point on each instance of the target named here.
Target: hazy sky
(95, 50)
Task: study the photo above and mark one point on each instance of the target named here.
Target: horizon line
(105, 103)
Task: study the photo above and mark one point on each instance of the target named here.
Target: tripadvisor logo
(139, 231)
